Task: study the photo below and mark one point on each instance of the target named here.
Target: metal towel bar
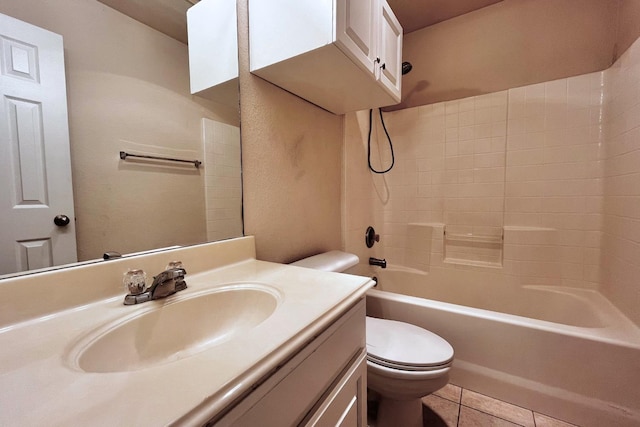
(124, 155)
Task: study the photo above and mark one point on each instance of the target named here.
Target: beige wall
(128, 88)
(510, 44)
(291, 163)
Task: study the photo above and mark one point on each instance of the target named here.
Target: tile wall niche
(553, 167)
(223, 182)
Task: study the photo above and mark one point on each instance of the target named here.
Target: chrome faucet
(164, 284)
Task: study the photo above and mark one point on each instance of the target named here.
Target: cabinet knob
(377, 60)
(383, 66)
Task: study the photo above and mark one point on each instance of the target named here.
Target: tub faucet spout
(379, 262)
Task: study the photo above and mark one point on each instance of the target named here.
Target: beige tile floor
(454, 406)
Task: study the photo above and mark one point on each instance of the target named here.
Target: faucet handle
(174, 264)
(135, 281)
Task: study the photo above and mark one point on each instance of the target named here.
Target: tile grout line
(493, 415)
(460, 405)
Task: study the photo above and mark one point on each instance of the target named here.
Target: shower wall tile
(474, 170)
(517, 158)
(223, 182)
(552, 173)
(556, 165)
(620, 241)
(418, 251)
(450, 166)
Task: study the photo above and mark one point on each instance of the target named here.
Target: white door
(35, 167)
(355, 34)
(390, 51)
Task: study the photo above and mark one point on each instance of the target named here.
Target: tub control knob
(370, 237)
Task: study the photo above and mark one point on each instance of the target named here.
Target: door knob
(61, 220)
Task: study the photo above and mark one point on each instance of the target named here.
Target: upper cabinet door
(213, 50)
(389, 50)
(355, 31)
(326, 51)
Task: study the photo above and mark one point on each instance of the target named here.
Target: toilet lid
(404, 346)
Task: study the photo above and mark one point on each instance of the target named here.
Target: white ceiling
(169, 16)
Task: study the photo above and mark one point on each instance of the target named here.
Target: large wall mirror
(127, 89)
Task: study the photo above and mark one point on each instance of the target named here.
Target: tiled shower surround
(538, 184)
(222, 179)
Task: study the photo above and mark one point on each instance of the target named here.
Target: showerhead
(406, 67)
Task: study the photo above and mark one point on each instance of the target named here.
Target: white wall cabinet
(324, 384)
(356, 31)
(342, 55)
(212, 29)
(389, 48)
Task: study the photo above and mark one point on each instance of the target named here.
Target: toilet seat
(405, 347)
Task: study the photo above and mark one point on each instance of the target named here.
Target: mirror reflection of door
(35, 169)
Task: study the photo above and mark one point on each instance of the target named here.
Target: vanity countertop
(41, 382)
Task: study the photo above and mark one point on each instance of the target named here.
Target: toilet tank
(336, 261)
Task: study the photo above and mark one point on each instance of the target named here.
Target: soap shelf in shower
(472, 263)
(469, 237)
(480, 250)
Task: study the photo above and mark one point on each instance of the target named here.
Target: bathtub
(564, 352)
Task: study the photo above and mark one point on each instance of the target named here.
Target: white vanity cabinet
(342, 55)
(212, 29)
(324, 384)
(280, 345)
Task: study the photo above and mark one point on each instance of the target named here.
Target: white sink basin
(171, 329)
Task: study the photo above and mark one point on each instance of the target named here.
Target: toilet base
(394, 413)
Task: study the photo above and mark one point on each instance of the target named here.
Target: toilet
(404, 362)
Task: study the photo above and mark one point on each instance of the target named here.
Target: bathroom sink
(173, 329)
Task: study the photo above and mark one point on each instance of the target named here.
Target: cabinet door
(355, 31)
(345, 406)
(213, 50)
(389, 71)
